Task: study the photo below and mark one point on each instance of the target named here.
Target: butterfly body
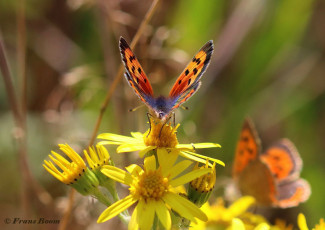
(185, 86)
(272, 176)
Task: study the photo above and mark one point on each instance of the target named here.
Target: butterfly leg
(193, 146)
(149, 116)
(163, 126)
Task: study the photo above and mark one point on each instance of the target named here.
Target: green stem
(124, 217)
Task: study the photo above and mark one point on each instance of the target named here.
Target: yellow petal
(198, 146)
(302, 222)
(116, 137)
(133, 225)
(144, 151)
(163, 214)
(129, 147)
(109, 143)
(137, 135)
(189, 176)
(187, 154)
(117, 174)
(262, 226)
(237, 224)
(241, 205)
(184, 207)
(166, 160)
(146, 214)
(178, 168)
(150, 163)
(133, 169)
(116, 208)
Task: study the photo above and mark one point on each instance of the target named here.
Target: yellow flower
(152, 190)
(302, 224)
(74, 173)
(200, 189)
(223, 217)
(161, 137)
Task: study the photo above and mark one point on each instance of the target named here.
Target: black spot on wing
(179, 82)
(195, 71)
(187, 72)
(139, 70)
(189, 81)
(133, 68)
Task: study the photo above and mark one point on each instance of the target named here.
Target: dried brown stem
(108, 97)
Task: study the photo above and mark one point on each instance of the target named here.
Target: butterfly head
(162, 108)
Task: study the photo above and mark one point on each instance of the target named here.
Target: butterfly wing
(189, 80)
(248, 147)
(292, 193)
(135, 75)
(283, 160)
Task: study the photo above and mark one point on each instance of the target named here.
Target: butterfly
(272, 176)
(185, 86)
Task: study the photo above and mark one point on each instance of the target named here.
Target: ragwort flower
(160, 137)
(152, 189)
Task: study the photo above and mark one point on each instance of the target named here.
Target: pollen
(161, 135)
(151, 185)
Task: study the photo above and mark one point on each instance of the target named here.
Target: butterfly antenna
(136, 108)
(184, 107)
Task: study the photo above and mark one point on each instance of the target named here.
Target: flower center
(150, 185)
(161, 135)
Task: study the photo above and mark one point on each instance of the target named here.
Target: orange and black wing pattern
(189, 80)
(283, 160)
(135, 75)
(248, 147)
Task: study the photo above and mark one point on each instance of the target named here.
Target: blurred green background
(268, 64)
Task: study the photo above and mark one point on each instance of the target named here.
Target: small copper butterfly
(184, 87)
(273, 176)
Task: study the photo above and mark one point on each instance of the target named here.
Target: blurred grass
(276, 76)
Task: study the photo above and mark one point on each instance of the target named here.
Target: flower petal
(184, 207)
(117, 174)
(144, 151)
(302, 224)
(117, 138)
(198, 146)
(150, 163)
(146, 214)
(116, 208)
(178, 168)
(189, 154)
(237, 224)
(261, 226)
(133, 169)
(133, 224)
(189, 176)
(241, 205)
(166, 160)
(137, 135)
(163, 214)
(108, 143)
(130, 147)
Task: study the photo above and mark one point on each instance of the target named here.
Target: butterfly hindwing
(248, 147)
(283, 160)
(135, 75)
(188, 82)
(292, 193)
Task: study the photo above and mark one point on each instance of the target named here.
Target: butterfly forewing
(135, 74)
(192, 73)
(248, 147)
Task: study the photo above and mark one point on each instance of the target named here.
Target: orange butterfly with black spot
(185, 86)
(273, 176)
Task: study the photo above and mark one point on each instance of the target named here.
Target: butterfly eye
(160, 115)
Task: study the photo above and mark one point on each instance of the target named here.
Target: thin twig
(108, 97)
